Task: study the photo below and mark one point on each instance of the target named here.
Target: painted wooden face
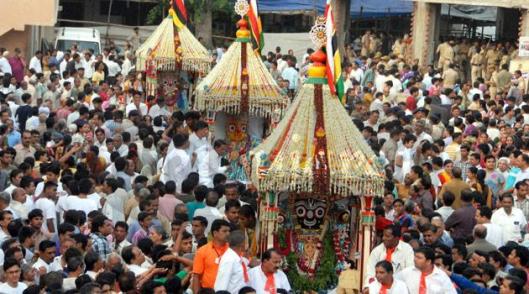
(310, 213)
(236, 130)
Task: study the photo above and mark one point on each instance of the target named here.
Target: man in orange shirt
(207, 258)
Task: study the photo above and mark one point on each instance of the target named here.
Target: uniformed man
(493, 57)
(446, 54)
(476, 63)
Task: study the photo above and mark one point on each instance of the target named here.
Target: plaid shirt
(464, 166)
(523, 205)
(100, 245)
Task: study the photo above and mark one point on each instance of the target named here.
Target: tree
(201, 13)
(342, 19)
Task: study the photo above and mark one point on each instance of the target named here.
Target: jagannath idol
(316, 177)
(172, 59)
(241, 98)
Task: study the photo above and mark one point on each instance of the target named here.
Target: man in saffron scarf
(268, 278)
(384, 282)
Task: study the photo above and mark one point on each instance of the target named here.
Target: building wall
(17, 39)
(27, 12)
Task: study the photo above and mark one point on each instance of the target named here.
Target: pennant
(179, 13)
(334, 60)
(255, 25)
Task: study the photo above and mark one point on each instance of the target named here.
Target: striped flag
(334, 60)
(255, 25)
(178, 12)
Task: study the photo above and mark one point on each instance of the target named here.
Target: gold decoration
(353, 168)
(220, 90)
(242, 7)
(195, 57)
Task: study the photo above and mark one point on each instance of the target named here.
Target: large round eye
(243, 128)
(231, 128)
(319, 212)
(301, 211)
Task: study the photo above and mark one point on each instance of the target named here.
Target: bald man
(18, 204)
(480, 244)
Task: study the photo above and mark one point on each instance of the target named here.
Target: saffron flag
(255, 25)
(179, 13)
(334, 60)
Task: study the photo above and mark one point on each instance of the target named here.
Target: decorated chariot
(172, 59)
(317, 177)
(240, 97)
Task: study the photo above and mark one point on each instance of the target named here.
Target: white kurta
(177, 167)
(401, 258)
(436, 283)
(208, 164)
(230, 276)
(398, 287)
(258, 280)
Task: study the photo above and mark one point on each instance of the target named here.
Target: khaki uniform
(366, 45)
(464, 48)
(492, 58)
(450, 77)
(446, 55)
(503, 81)
(476, 63)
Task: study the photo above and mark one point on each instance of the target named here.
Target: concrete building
(426, 24)
(21, 22)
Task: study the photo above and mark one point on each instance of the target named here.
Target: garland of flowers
(325, 276)
(341, 242)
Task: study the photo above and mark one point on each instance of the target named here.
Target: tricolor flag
(179, 13)
(334, 60)
(255, 25)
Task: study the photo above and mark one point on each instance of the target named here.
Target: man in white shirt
(159, 109)
(392, 249)
(113, 67)
(233, 268)
(510, 219)
(523, 162)
(210, 212)
(12, 283)
(494, 232)
(88, 65)
(424, 276)
(134, 259)
(197, 139)
(268, 278)
(209, 162)
(137, 105)
(46, 203)
(82, 202)
(34, 62)
(127, 64)
(177, 165)
(384, 282)
(5, 67)
(46, 257)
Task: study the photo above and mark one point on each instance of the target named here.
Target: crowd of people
(106, 189)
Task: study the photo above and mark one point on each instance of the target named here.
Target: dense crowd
(107, 189)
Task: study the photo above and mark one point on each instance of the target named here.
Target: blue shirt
(291, 75)
(13, 138)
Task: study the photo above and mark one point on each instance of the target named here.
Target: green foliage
(195, 8)
(325, 278)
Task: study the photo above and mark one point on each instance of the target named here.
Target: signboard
(523, 49)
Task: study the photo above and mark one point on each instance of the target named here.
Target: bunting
(255, 25)
(179, 13)
(334, 60)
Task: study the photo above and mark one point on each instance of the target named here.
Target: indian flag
(334, 60)
(255, 25)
